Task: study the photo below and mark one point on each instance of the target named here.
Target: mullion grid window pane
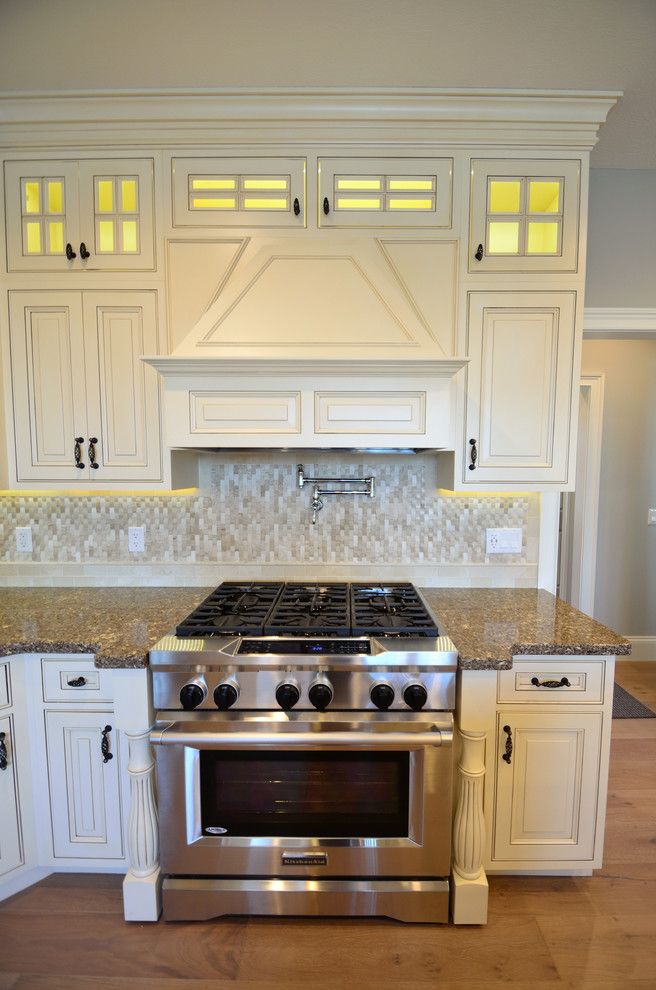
(244, 193)
(117, 225)
(385, 193)
(498, 224)
(43, 215)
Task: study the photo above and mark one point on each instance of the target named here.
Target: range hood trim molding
(172, 366)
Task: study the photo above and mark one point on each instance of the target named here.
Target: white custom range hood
(315, 340)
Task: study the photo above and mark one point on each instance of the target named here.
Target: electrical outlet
(136, 539)
(24, 539)
(503, 540)
(651, 517)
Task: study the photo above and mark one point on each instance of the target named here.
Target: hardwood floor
(544, 933)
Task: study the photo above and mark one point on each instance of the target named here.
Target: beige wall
(625, 596)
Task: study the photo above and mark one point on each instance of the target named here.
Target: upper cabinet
(238, 192)
(385, 192)
(524, 216)
(87, 215)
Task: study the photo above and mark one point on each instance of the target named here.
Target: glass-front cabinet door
(524, 216)
(94, 215)
(385, 192)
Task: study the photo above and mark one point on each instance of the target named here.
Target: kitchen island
(533, 726)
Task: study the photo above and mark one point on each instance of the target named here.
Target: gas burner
(232, 608)
(392, 609)
(304, 609)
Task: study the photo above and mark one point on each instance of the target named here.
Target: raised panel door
(85, 793)
(41, 208)
(49, 385)
(519, 386)
(123, 406)
(547, 789)
(11, 854)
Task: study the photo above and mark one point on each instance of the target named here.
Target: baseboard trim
(642, 648)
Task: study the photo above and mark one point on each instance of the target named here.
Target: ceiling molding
(629, 322)
(185, 117)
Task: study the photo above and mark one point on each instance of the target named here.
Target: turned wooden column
(143, 835)
(469, 883)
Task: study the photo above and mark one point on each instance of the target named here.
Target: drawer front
(5, 686)
(571, 682)
(402, 413)
(244, 412)
(70, 680)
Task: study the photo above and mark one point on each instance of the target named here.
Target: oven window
(322, 795)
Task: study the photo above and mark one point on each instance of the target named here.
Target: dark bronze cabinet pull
(77, 682)
(563, 682)
(104, 744)
(509, 745)
(326, 205)
(479, 253)
(4, 763)
(83, 251)
(77, 452)
(297, 207)
(473, 455)
(92, 452)
(70, 253)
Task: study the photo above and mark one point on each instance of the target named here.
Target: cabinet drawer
(370, 412)
(584, 682)
(5, 683)
(66, 679)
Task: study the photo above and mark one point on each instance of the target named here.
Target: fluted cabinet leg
(141, 887)
(469, 883)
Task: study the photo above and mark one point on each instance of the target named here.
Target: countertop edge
(101, 661)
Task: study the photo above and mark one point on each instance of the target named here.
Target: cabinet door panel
(49, 385)
(124, 404)
(11, 854)
(116, 214)
(519, 385)
(41, 200)
(85, 795)
(546, 797)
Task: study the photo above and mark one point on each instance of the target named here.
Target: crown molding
(203, 367)
(186, 117)
(604, 323)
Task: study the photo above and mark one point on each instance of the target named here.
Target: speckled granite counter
(119, 625)
(490, 626)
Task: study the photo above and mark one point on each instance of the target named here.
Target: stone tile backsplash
(248, 510)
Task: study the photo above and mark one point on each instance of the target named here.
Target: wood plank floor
(67, 932)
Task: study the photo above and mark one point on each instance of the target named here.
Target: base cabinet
(11, 855)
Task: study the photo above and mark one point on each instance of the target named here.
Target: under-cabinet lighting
(85, 492)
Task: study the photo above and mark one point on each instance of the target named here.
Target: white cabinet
(11, 855)
(85, 406)
(238, 192)
(84, 780)
(547, 786)
(385, 192)
(87, 215)
(524, 216)
(519, 387)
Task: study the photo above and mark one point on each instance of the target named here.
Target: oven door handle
(170, 735)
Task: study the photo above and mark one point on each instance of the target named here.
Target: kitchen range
(304, 753)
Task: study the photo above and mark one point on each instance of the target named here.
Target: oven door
(297, 794)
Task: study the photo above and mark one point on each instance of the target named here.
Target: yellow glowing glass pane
(55, 197)
(350, 203)
(264, 183)
(504, 196)
(410, 204)
(502, 238)
(129, 195)
(201, 203)
(359, 185)
(32, 197)
(129, 236)
(543, 197)
(410, 185)
(214, 184)
(105, 195)
(542, 238)
(265, 204)
(106, 236)
(56, 237)
(33, 238)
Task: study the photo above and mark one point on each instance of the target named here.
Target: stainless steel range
(304, 753)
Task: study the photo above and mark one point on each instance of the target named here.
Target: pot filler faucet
(320, 493)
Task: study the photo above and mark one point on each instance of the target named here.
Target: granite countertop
(491, 625)
(120, 625)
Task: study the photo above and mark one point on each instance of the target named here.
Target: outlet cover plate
(507, 540)
(23, 539)
(136, 539)
(651, 517)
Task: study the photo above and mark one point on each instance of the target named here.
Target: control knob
(382, 695)
(192, 695)
(225, 695)
(415, 696)
(287, 695)
(320, 693)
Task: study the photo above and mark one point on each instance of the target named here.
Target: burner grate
(308, 609)
(390, 610)
(232, 608)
